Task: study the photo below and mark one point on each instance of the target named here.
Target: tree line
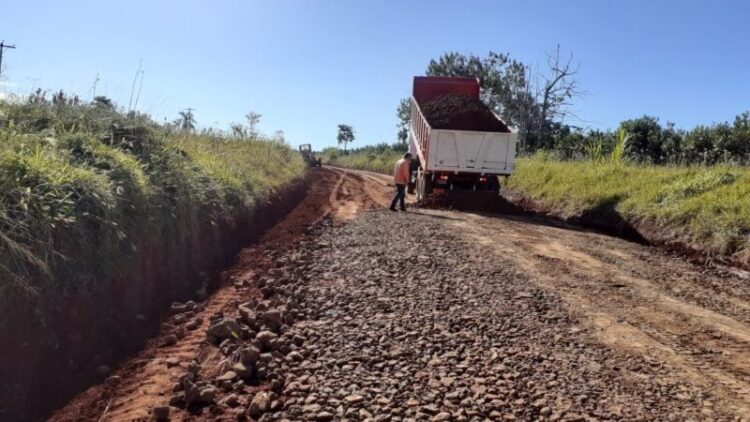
(537, 102)
(648, 141)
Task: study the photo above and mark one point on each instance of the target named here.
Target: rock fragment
(260, 404)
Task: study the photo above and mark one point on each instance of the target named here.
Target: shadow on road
(604, 218)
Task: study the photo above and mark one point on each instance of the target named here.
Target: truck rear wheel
(494, 184)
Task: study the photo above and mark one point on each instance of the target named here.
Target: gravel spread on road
(403, 320)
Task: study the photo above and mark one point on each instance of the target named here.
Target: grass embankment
(379, 161)
(105, 219)
(85, 189)
(707, 208)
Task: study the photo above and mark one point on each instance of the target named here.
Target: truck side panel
(472, 152)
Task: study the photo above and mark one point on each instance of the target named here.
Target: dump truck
(309, 156)
(459, 142)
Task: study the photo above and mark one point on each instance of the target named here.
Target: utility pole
(3, 46)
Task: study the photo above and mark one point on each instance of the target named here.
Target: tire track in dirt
(359, 190)
(637, 299)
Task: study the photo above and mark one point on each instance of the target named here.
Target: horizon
(306, 67)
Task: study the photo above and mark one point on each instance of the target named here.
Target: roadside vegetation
(379, 158)
(705, 207)
(686, 186)
(85, 188)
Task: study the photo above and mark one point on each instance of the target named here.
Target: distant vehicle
(309, 156)
(461, 149)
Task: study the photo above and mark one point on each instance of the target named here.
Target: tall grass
(82, 187)
(617, 156)
(595, 147)
(706, 207)
(377, 160)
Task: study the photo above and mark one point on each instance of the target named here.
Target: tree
(571, 145)
(253, 119)
(671, 143)
(645, 142)
(741, 134)
(560, 85)
(187, 121)
(404, 117)
(104, 102)
(345, 135)
(249, 131)
(698, 145)
(279, 137)
(239, 130)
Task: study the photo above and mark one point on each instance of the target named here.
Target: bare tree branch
(560, 85)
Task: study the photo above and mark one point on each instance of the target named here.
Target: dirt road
(349, 311)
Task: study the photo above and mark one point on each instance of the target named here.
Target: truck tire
(494, 184)
(428, 184)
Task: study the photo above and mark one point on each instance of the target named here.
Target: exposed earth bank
(70, 340)
(344, 312)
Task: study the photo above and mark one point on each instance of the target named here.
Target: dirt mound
(461, 112)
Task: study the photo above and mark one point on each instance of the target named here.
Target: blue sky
(308, 65)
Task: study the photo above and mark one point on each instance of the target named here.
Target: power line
(3, 46)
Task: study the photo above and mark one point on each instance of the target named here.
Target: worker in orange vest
(401, 179)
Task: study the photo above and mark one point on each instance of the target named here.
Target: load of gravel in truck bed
(461, 112)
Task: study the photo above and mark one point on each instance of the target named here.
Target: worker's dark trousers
(400, 194)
